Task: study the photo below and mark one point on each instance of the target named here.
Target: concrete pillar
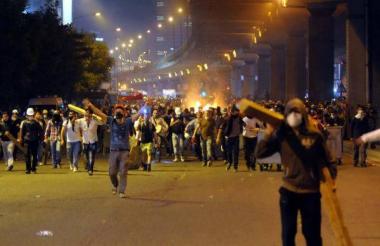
(249, 83)
(321, 51)
(277, 85)
(357, 72)
(295, 84)
(236, 82)
(264, 74)
(374, 53)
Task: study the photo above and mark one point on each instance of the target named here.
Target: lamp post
(171, 21)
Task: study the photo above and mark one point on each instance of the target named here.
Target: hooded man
(53, 136)
(177, 127)
(303, 153)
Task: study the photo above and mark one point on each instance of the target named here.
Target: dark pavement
(176, 204)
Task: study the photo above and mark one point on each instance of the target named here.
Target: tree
(42, 57)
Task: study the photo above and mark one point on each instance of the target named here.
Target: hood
(299, 105)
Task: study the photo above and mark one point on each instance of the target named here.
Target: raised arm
(97, 111)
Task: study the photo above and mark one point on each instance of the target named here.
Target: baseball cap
(14, 111)
(30, 112)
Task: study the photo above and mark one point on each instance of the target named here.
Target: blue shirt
(120, 133)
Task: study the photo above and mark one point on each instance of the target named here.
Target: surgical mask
(294, 119)
(119, 115)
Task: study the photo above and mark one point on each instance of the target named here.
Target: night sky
(133, 16)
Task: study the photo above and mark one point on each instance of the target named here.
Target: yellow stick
(82, 112)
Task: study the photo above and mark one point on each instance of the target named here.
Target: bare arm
(97, 111)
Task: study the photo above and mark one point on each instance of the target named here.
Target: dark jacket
(359, 127)
(303, 156)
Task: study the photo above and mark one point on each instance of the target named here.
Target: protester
(31, 133)
(88, 127)
(250, 131)
(359, 126)
(207, 129)
(177, 127)
(6, 143)
(147, 136)
(303, 153)
(162, 131)
(232, 132)
(53, 136)
(71, 135)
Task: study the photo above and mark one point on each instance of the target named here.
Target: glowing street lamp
(159, 25)
(118, 29)
(98, 14)
(227, 56)
(170, 19)
(130, 45)
(123, 45)
(180, 10)
(131, 41)
(111, 52)
(148, 31)
(116, 48)
(139, 36)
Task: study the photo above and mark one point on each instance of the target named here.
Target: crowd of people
(164, 128)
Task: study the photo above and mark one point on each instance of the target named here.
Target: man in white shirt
(250, 131)
(71, 134)
(89, 127)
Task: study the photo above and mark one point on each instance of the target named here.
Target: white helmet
(30, 112)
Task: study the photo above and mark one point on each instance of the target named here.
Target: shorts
(148, 147)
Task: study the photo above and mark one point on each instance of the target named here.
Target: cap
(14, 111)
(30, 112)
(45, 111)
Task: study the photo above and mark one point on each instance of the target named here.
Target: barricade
(266, 163)
(334, 141)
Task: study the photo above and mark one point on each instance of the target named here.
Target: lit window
(160, 39)
(160, 18)
(160, 4)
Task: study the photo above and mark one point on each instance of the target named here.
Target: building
(172, 24)
(64, 8)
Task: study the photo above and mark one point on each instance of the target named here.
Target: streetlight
(131, 41)
(171, 20)
(148, 31)
(159, 25)
(180, 10)
(98, 14)
(139, 36)
(118, 29)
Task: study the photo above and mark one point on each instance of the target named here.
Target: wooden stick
(331, 202)
(14, 140)
(82, 111)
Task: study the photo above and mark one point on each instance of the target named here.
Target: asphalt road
(176, 204)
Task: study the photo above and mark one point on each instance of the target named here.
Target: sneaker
(34, 172)
(71, 167)
(27, 172)
(122, 195)
(204, 164)
(228, 167)
(90, 173)
(235, 170)
(182, 159)
(225, 162)
(10, 168)
(209, 163)
(114, 191)
(75, 170)
(175, 159)
(40, 163)
(58, 166)
(54, 166)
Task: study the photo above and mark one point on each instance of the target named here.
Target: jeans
(90, 152)
(309, 206)
(55, 149)
(206, 146)
(232, 145)
(249, 150)
(360, 154)
(118, 165)
(31, 155)
(177, 144)
(73, 153)
(8, 148)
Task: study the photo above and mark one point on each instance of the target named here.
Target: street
(175, 204)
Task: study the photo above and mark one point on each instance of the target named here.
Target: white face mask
(294, 119)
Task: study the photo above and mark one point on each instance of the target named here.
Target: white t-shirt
(250, 130)
(72, 135)
(89, 131)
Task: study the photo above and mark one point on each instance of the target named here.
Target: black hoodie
(303, 155)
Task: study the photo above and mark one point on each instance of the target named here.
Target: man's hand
(358, 141)
(86, 103)
(269, 129)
